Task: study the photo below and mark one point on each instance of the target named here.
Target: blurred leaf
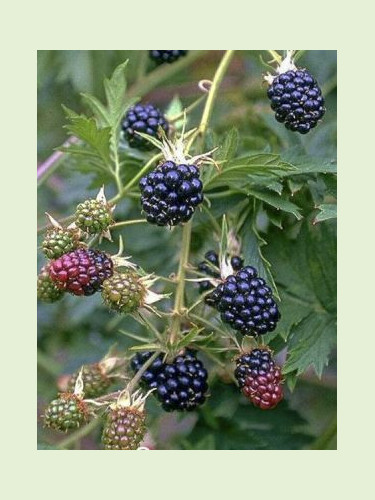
(327, 211)
(230, 145)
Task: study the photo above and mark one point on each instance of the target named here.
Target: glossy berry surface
(123, 292)
(47, 291)
(166, 56)
(245, 303)
(297, 100)
(180, 385)
(124, 429)
(145, 119)
(211, 267)
(82, 271)
(59, 241)
(259, 378)
(171, 193)
(66, 412)
(95, 381)
(93, 216)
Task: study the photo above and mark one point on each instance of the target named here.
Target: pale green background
(187, 474)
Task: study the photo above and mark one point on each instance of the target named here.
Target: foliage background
(74, 332)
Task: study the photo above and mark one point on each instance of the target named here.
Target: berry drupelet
(180, 385)
(66, 412)
(82, 271)
(58, 241)
(123, 292)
(171, 193)
(93, 216)
(47, 291)
(166, 56)
(297, 100)
(245, 303)
(211, 267)
(146, 119)
(124, 428)
(95, 381)
(259, 378)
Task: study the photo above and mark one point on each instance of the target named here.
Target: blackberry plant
(217, 273)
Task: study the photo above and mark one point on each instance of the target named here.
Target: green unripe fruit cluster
(93, 216)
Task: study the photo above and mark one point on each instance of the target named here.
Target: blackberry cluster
(82, 271)
(259, 378)
(66, 412)
(245, 303)
(146, 119)
(297, 100)
(123, 292)
(95, 381)
(180, 385)
(171, 193)
(166, 56)
(124, 429)
(59, 241)
(47, 291)
(211, 267)
(93, 216)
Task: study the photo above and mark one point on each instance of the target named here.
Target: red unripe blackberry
(93, 216)
(166, 56)
(95, 381)
(47, 290)
(82, 271)
(58, 241)
(124, 428)
(171, 193)
(66, 412)
(180, 385)
(259, 378)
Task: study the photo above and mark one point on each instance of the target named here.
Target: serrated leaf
(230, 145)
(327, 211)
(276, 201)
(223, 239)
(97, 108)
(189, 337)
(304, 164)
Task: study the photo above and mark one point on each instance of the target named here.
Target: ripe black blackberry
(166, 56)
(146, 119)
(297, 100)
(171, 193)
(180, 385)
(82, 271)
(246, 303)
(259, 378)
(211, 267)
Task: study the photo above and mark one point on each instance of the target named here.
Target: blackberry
(166, 56)
(93, 216)
(82, 271)
(94, 378)
(246, 303)
(58, 241)
(259, 378)
(171, 193)
(297, 100)
(47, 290)
(123, 292)
(124, 428)
(211, 257)
(66, 412)
(180, 385)
(146, 119)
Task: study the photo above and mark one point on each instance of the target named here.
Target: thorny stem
(186, 232)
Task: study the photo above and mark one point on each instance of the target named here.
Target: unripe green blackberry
(95, 381)
(47, 291)
(66, 412)
(58, 241)
(93, 216)
(124, 428)
(124, 292)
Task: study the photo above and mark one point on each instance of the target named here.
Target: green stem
(322, 442)
(137, 377)
(136, 178)
(128, 223)
(80, 433)
(142, 65)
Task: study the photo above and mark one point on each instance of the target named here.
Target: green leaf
(230, 145)
(276, 201)
(223, 239)
(305, 272)
(327, 211)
